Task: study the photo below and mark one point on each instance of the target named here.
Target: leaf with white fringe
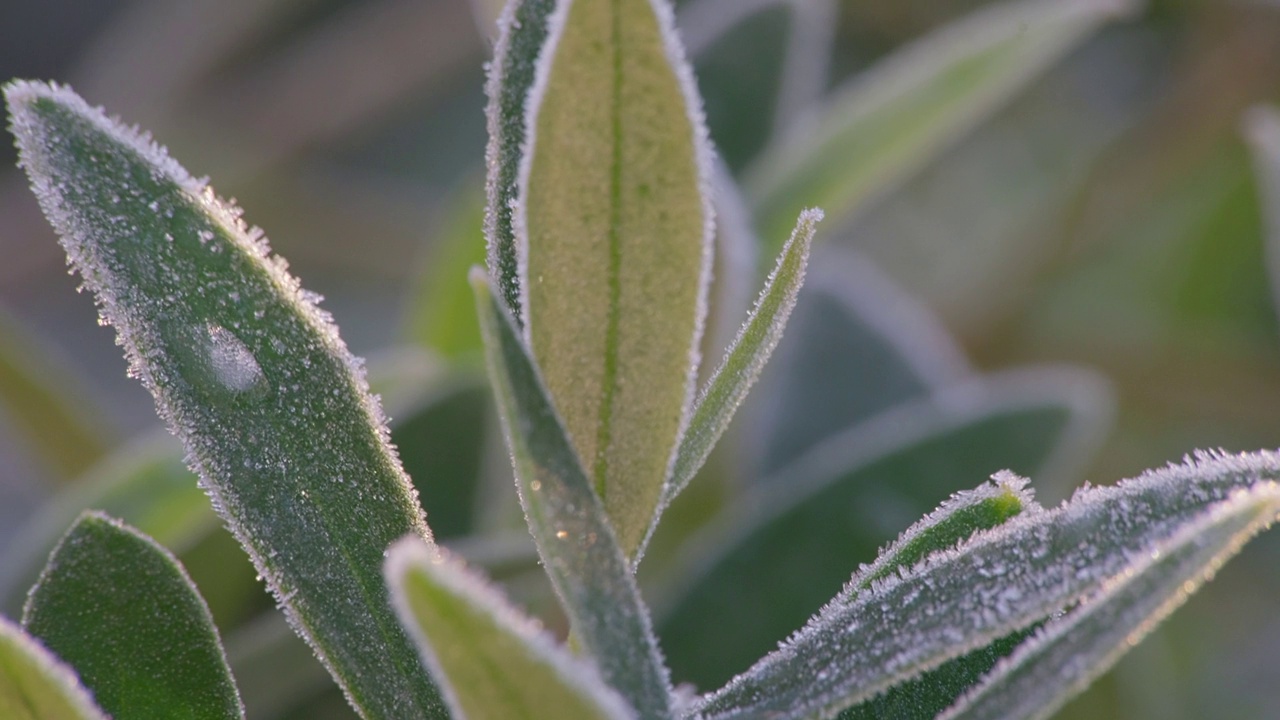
(885, 124)
(1071, 652)
(1001, 581)
(491, 661)
(36, 685)
(579, 550)
(250, 374)
(614, 234)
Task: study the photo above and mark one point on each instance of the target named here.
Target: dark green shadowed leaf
(523, 27)
(492, 661)
(776, 557)
(906, 109)
(122, 611)
(579, 550)
(615, 233)
(246, 370)
(36, 685)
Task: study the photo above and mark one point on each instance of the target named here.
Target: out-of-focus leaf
(250, 374)
(614, 231)
(39, 396)
(744, 360)
(275, 670)
(779, 554)
(1262, 130)
(856, 345)
(889, 122)
(36, 685)
(581, 555)
(1000, 581)
(1068, 654)
(440, 313)
(489, 659)
(120, 609)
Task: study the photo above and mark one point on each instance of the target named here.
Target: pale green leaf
(1000, 581)
(35, 684)
(1069, 653)
(271, 406)
(614, 236)
(491, 661)
(120, 609)
(887, 123)
(1262, 130)
(579, 550)
(744, 360)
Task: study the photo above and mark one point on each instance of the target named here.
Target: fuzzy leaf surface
(250, 374)
(773, 559)
(35, 684)
(568, 522)
(120, 609)
(1000, 581)
(1071, 652)
(614, 234)
(882, 126)
(491, 660)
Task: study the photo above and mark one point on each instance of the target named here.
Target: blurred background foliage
(1105, 216)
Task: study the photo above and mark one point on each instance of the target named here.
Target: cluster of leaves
(608, 281)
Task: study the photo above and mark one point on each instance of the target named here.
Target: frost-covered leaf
(121, 610)
(40, 397)
(1071, 652)
(145, 484)
(490, 660)
(250, 374)
(890, 121)
(733, 275)
(1262, 130)
(614, 236)
(36, 685)
(1001, 581)
(579, 550)
(774, 558)
(744, 360)
(523, 28)
(856, 345)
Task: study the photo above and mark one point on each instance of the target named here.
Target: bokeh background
(1106, 216)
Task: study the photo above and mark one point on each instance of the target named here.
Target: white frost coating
(1066, 655)
(412, 555)
(735, 266)
(232, 361)
(1000, 581)
(13, 641)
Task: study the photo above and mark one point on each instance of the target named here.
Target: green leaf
(774, 558)
(892, 120)
(581, 555)
(1000, 581)
(1262, 130)
(523, 28)
(120, 609)
(744, 360)
(856, 345)
(35, 684)
(491, 660)
(614, 233)
(145, 484)
(250, 374)
(276, 671)
(40, 396)
(1070, 653)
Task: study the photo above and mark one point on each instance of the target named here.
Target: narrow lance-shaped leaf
(250, 374)
(121, 610)
(581, 555)
(36, 685)
(743, 361)
(1262, 130)
(892, 120)
(1071, 652)
(490, 660)
(1001, 581)
(523, 27)
(614, 235)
